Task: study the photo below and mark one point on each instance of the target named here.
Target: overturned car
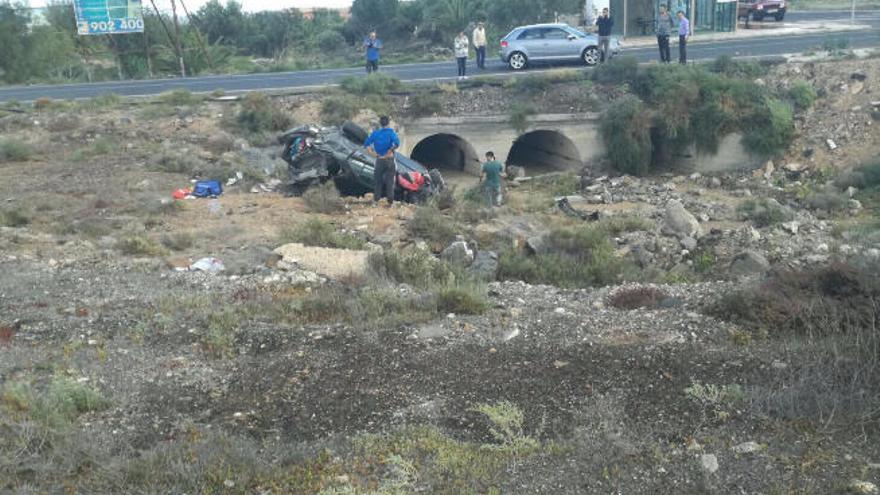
(317, 154)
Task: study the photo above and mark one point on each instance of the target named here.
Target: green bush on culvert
(257, 113)
(676, 108)
(337, 108)
(626, 130)
(377, 83)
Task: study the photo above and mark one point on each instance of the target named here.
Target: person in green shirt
(490, 179)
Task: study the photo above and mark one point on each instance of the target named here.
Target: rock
(679, 222)
(689, 243)
(791, 227)
(831, 144)
(748, 263)
(793, 167)
(857, 486)
(536, 245)
(178, 263)
(715, 182)
(485, 266)
(769, 168)
(854, 204)
(858, 75)
(458, 253)
(857, 87)
(332, 263)
(515, 172)
(709, 463)
(851, 191)
(747, 448)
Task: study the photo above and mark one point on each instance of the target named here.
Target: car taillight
(503, 44)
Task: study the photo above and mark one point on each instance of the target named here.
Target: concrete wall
(493, 132)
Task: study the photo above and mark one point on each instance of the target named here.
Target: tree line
(223, 38)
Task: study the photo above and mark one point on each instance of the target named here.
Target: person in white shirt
(479, 38)
(461, 54)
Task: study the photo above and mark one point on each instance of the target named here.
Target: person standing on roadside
(383, 142)
(490, 179)
(684, 32)
(664, 28)
(462, 46)
(372, 45)
(604, 23)
(479, 37)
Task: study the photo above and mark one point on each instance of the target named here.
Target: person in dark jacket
(605, 22)
(383, 142)
(664, 28)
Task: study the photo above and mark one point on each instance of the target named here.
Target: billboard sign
(108, 16)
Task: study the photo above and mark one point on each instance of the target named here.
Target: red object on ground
(181, 193)
(411, 181)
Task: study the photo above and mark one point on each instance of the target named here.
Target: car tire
(591, 56)
(437, 181)
(517, 61)
(779, 16)
(354, 132)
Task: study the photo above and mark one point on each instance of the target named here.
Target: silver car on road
(551, 43)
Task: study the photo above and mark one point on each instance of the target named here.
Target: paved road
(756, 46)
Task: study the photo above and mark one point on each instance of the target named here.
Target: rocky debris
(679, 222)
(458, 253)
(748, 263)
(485, 266)
(747, 447)
(263, 161)
(536, 245)
(332, 263)
(864, 487)
(709, 463)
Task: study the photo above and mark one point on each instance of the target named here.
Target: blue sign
(108, 16)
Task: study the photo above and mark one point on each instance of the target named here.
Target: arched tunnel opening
(540, 152)
(449, 153)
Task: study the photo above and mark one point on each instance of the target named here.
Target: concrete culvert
(447, 152)
(544, 151)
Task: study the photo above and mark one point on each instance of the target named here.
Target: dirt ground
(209, 385)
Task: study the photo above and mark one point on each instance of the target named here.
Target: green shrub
(425, 102)
(179, 98)
(827, 201)
(462, 298)
(617, 71)
(432, 226)
(324, 198)
(258, 114)
(835, 43)
(573, 257)
(802, 95)
(626, 130)
(14, 218)
(412, 266)
(770, 129)
(175, 163)
(330, 41)
(315, 232)
(179, 241)
(338, 108)
(764, 212)
(377, 83)
(55, 406)
(637, 297)
(863, 177)
(140, 246)
(518, 115)
(730, 67)
(14, 151)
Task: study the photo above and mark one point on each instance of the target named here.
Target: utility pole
(852, 13)
(625, 20)
(192, 22)
(588, 13)
(177, 38)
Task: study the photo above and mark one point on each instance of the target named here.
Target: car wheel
(779, 16)
(354, 132)
(517, 61)
(591, 56)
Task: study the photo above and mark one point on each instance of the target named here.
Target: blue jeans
(481, 57)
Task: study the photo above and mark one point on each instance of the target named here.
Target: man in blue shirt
(383, 142)
(372, 45)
